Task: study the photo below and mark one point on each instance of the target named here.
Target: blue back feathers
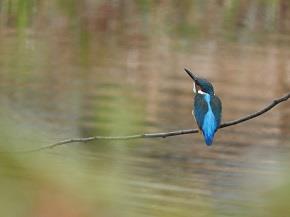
(207, 112)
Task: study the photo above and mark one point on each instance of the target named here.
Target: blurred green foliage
(186, 17)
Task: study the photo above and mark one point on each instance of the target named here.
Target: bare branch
(168, 134)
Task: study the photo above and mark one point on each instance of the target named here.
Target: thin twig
(167, 134)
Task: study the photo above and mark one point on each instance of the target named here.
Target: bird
(207, 107)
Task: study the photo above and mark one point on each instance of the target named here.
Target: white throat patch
(194, 88)
(201, 92)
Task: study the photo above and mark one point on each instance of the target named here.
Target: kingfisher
(207, 108)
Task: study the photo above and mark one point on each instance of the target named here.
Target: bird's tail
(208, 137)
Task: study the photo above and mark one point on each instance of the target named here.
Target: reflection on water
(54, 87)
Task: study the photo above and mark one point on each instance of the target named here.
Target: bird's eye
(199, 90)
(198, 87)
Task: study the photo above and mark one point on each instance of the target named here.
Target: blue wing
(200, 108)
(216, 107)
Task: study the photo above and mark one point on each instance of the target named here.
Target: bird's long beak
(194, 78)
